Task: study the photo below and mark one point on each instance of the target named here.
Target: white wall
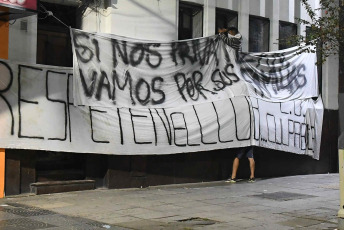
(22, 45)
(144, 19)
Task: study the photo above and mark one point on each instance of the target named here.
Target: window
(259, 33)
(310, 34)
(225, 18)
(53, 38)
(286, 30)
(190, 21)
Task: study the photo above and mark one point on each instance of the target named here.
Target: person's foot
(251, 180)
(231, 180)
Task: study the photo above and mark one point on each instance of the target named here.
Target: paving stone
(272, 226)
(220, 226)
(144, 225)
(246, 223)
(300, 222)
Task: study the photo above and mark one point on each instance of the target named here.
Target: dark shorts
(248, 151)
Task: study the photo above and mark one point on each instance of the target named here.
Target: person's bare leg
(235, 167)
(252, 167)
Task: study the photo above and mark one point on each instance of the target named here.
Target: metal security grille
(286, 30)
(259, 32)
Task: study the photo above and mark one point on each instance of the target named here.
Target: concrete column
(230, 4)
(273, 14)
(291, 11)
(262, 8)
(243, 22)
(330, 83)
(300, 12)
(235, 5)
(209, 17)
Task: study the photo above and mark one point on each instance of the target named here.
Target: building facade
(264, 25)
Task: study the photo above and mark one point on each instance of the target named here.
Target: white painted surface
(209, 18)
(243, 22)
(143, 19)
(274, 6)
(23, 43)
(330, 83)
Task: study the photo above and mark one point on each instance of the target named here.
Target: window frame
(190, 6)
(285, 23)
(223, 11)
(251, 17)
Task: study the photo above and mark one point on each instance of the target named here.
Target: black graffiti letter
(96, 45)
(153, 53)
(21, 100)
(236, 78)
(219, 83)
(86, 53)
(184, 50)
(159, 91)
(132, 116)
(201, 128)
(180, 87)
(219, 126)
(168, 131)
(88, 89)
(198, 82)
(178, 128)
(10, 75)
(102, 85)
(301, 76)
(137, 48)
(122, 53)
(127, 80)
(56, 101)
(174, 52)
(138, 90)
(92, 131)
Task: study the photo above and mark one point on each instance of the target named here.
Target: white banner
(37, 112)
(117, 71)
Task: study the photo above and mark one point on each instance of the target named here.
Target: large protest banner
(120, 108)
(112, 70)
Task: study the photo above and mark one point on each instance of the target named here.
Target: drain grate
(23, 223)
(283, 196)
(197, 221)
(24, 212)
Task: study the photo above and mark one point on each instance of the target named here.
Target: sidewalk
(297, 202)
